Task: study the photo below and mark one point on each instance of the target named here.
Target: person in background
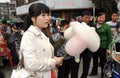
(114, 20)
(105, 34)
(117, 36)
(114, 24)
(37, 51)
(16, 31)
(86, 55)
(72, 18)
(69, 66)
(9, 36)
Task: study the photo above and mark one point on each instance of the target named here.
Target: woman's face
(101, 19)
(42, 21)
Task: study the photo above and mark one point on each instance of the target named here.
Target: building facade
(4, 11)
(59, 8)
(24, 2)
(8, 10)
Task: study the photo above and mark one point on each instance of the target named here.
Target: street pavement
(6, 69)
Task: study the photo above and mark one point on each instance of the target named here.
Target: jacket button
(42, 76)
(44, 50)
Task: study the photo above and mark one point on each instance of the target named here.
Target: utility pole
(93, 10)
(93, 2)
(8, 9)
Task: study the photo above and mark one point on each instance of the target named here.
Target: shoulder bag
(21, 72)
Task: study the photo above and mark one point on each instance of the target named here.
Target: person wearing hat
(105, 34)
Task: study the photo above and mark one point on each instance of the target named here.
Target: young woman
(37, 51)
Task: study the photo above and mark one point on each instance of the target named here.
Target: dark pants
(86, 57)
(1, 75)
(14, 54)
(68, 66)
(117, 47)
(102, 54)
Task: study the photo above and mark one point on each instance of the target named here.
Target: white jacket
(37, 52)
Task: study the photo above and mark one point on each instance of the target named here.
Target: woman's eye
(43, 14)
(48, 14)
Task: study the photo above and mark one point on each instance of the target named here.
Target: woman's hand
(59, 60)
(107, 52)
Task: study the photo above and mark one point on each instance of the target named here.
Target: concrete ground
(6, 69)
(80, 71)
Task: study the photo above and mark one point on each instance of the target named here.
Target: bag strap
(21, 61)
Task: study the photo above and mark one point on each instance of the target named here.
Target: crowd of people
(43, 44)
(105, 30)
(11, 35)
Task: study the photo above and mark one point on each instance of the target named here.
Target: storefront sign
(58, 5)
(69, 4)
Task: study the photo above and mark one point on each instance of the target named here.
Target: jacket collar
(36, 31)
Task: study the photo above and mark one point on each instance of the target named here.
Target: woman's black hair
(101, 13)
(35, 10)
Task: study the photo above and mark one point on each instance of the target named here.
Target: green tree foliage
(106, 6)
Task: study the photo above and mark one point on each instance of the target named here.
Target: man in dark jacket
(86, 55)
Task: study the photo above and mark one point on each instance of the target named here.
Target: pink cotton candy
(75, 46)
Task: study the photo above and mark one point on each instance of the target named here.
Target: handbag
(21, 72)
(54, 73)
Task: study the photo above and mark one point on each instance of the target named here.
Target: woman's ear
(33, 19)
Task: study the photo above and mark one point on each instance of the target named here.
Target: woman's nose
(48, 17)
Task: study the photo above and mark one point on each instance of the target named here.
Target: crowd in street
(105, 30)
(43, 43)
